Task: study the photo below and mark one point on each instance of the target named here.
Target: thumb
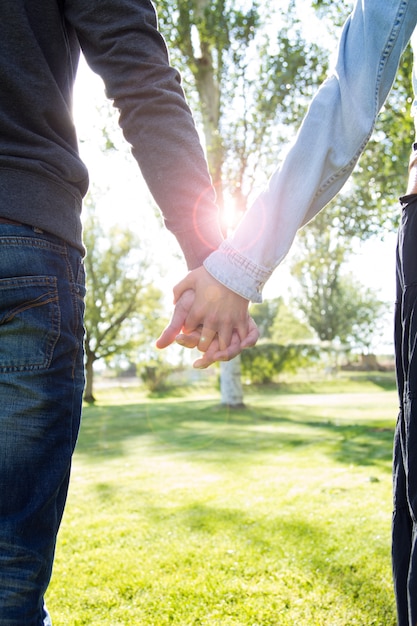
(177, 320)
(184, 285)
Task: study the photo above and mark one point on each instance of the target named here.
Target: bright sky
(123, 196)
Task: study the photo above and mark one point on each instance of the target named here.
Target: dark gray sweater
(42, 179)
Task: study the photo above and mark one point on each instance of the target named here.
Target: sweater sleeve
(121, 43)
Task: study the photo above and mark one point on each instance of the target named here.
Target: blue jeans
(41, 384)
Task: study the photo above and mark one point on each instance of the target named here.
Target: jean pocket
(29, 322)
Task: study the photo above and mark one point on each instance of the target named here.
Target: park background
(188, 509)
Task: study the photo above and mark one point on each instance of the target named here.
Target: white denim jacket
(337, 126)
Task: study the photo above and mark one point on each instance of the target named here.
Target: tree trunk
(89, 374)
(231, 384)
(207, 70)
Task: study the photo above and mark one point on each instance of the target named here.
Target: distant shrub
(263, 362)
(155, 375)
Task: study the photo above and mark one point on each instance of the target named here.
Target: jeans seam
(75, 312)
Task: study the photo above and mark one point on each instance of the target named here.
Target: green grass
(181, 512)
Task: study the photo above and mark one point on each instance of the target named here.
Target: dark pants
(404, 529)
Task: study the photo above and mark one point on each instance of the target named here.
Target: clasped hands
(211, 317)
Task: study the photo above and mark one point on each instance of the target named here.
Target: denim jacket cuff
(237, 272)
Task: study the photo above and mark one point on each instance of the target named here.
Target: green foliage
(251, 85)
(333, 12)
(289, 328)
(381, 175)
(289, 77)
(369, 206)
(122, 305)
(253, 88)
(208, 38)
(154, 374)
(262, 363)
(264, 315)
(283, 346)
(221, 26)
(335, 305)
(278, 322)
(118, 290)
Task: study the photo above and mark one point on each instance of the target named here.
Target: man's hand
(213, 354)
(176, 323)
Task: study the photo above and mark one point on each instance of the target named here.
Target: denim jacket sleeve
(335, 130)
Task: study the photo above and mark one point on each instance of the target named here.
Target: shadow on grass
(217, 434)
(343, 382)
(294, 557)
(284, 540)
(384, 380)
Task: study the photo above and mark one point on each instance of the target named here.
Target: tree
(253, 90)
(289, 328)
(249, 85)
(368, 205)
(122, 306)
(335, 305)
(264, 316)
(262, 363)
(248, 91)
(279, 323)
(285, 344)
(381, 175)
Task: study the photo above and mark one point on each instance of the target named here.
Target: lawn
(182, 512)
